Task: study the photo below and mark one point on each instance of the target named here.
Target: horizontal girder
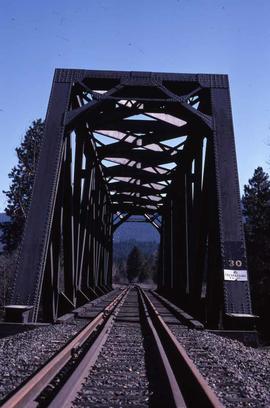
(140, 126)
(138, 174)
(133, 188)
(128, 198)
(133, 209)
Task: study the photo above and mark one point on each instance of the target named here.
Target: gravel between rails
(24, 353)
(239, 375)
(119, 377)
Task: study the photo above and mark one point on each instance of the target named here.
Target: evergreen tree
(145, 272)
(119, 271)
(22, 179)
(256, 201)
(148, 254)
(134, 264)
(7, 270)
(155, 264)
(256, 210)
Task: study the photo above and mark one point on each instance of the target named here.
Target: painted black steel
(119, 144)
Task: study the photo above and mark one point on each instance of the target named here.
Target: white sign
(235, 275)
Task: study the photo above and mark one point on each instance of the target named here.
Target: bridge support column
(35, 244)
(237, 309)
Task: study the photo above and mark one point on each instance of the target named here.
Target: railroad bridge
(119, 144)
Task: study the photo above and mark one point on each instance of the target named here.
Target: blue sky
(207, 36)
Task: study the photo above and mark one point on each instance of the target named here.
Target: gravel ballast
(239, 375)
(125, 373)
(24, 353)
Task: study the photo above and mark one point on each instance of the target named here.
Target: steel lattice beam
(123, 143)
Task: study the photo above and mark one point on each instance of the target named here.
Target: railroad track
(127, 355)
(30, 393)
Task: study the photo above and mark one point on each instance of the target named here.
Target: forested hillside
(139, 256)
(135, 252)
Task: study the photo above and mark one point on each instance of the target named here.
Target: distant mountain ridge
(137, 231)
(123, 248)
(128, 231)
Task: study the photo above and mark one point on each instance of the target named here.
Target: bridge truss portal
(118, 144)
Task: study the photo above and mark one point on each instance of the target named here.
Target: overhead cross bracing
(119, 145)
(139, 138)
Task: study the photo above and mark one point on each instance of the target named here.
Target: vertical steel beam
(33, 252)
(68, 226)
(231, 233)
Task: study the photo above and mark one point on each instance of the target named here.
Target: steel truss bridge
(119, 144)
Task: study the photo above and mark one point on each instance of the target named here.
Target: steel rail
(27, 393)
(67, 393)
(177, 399)
(188, 387)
